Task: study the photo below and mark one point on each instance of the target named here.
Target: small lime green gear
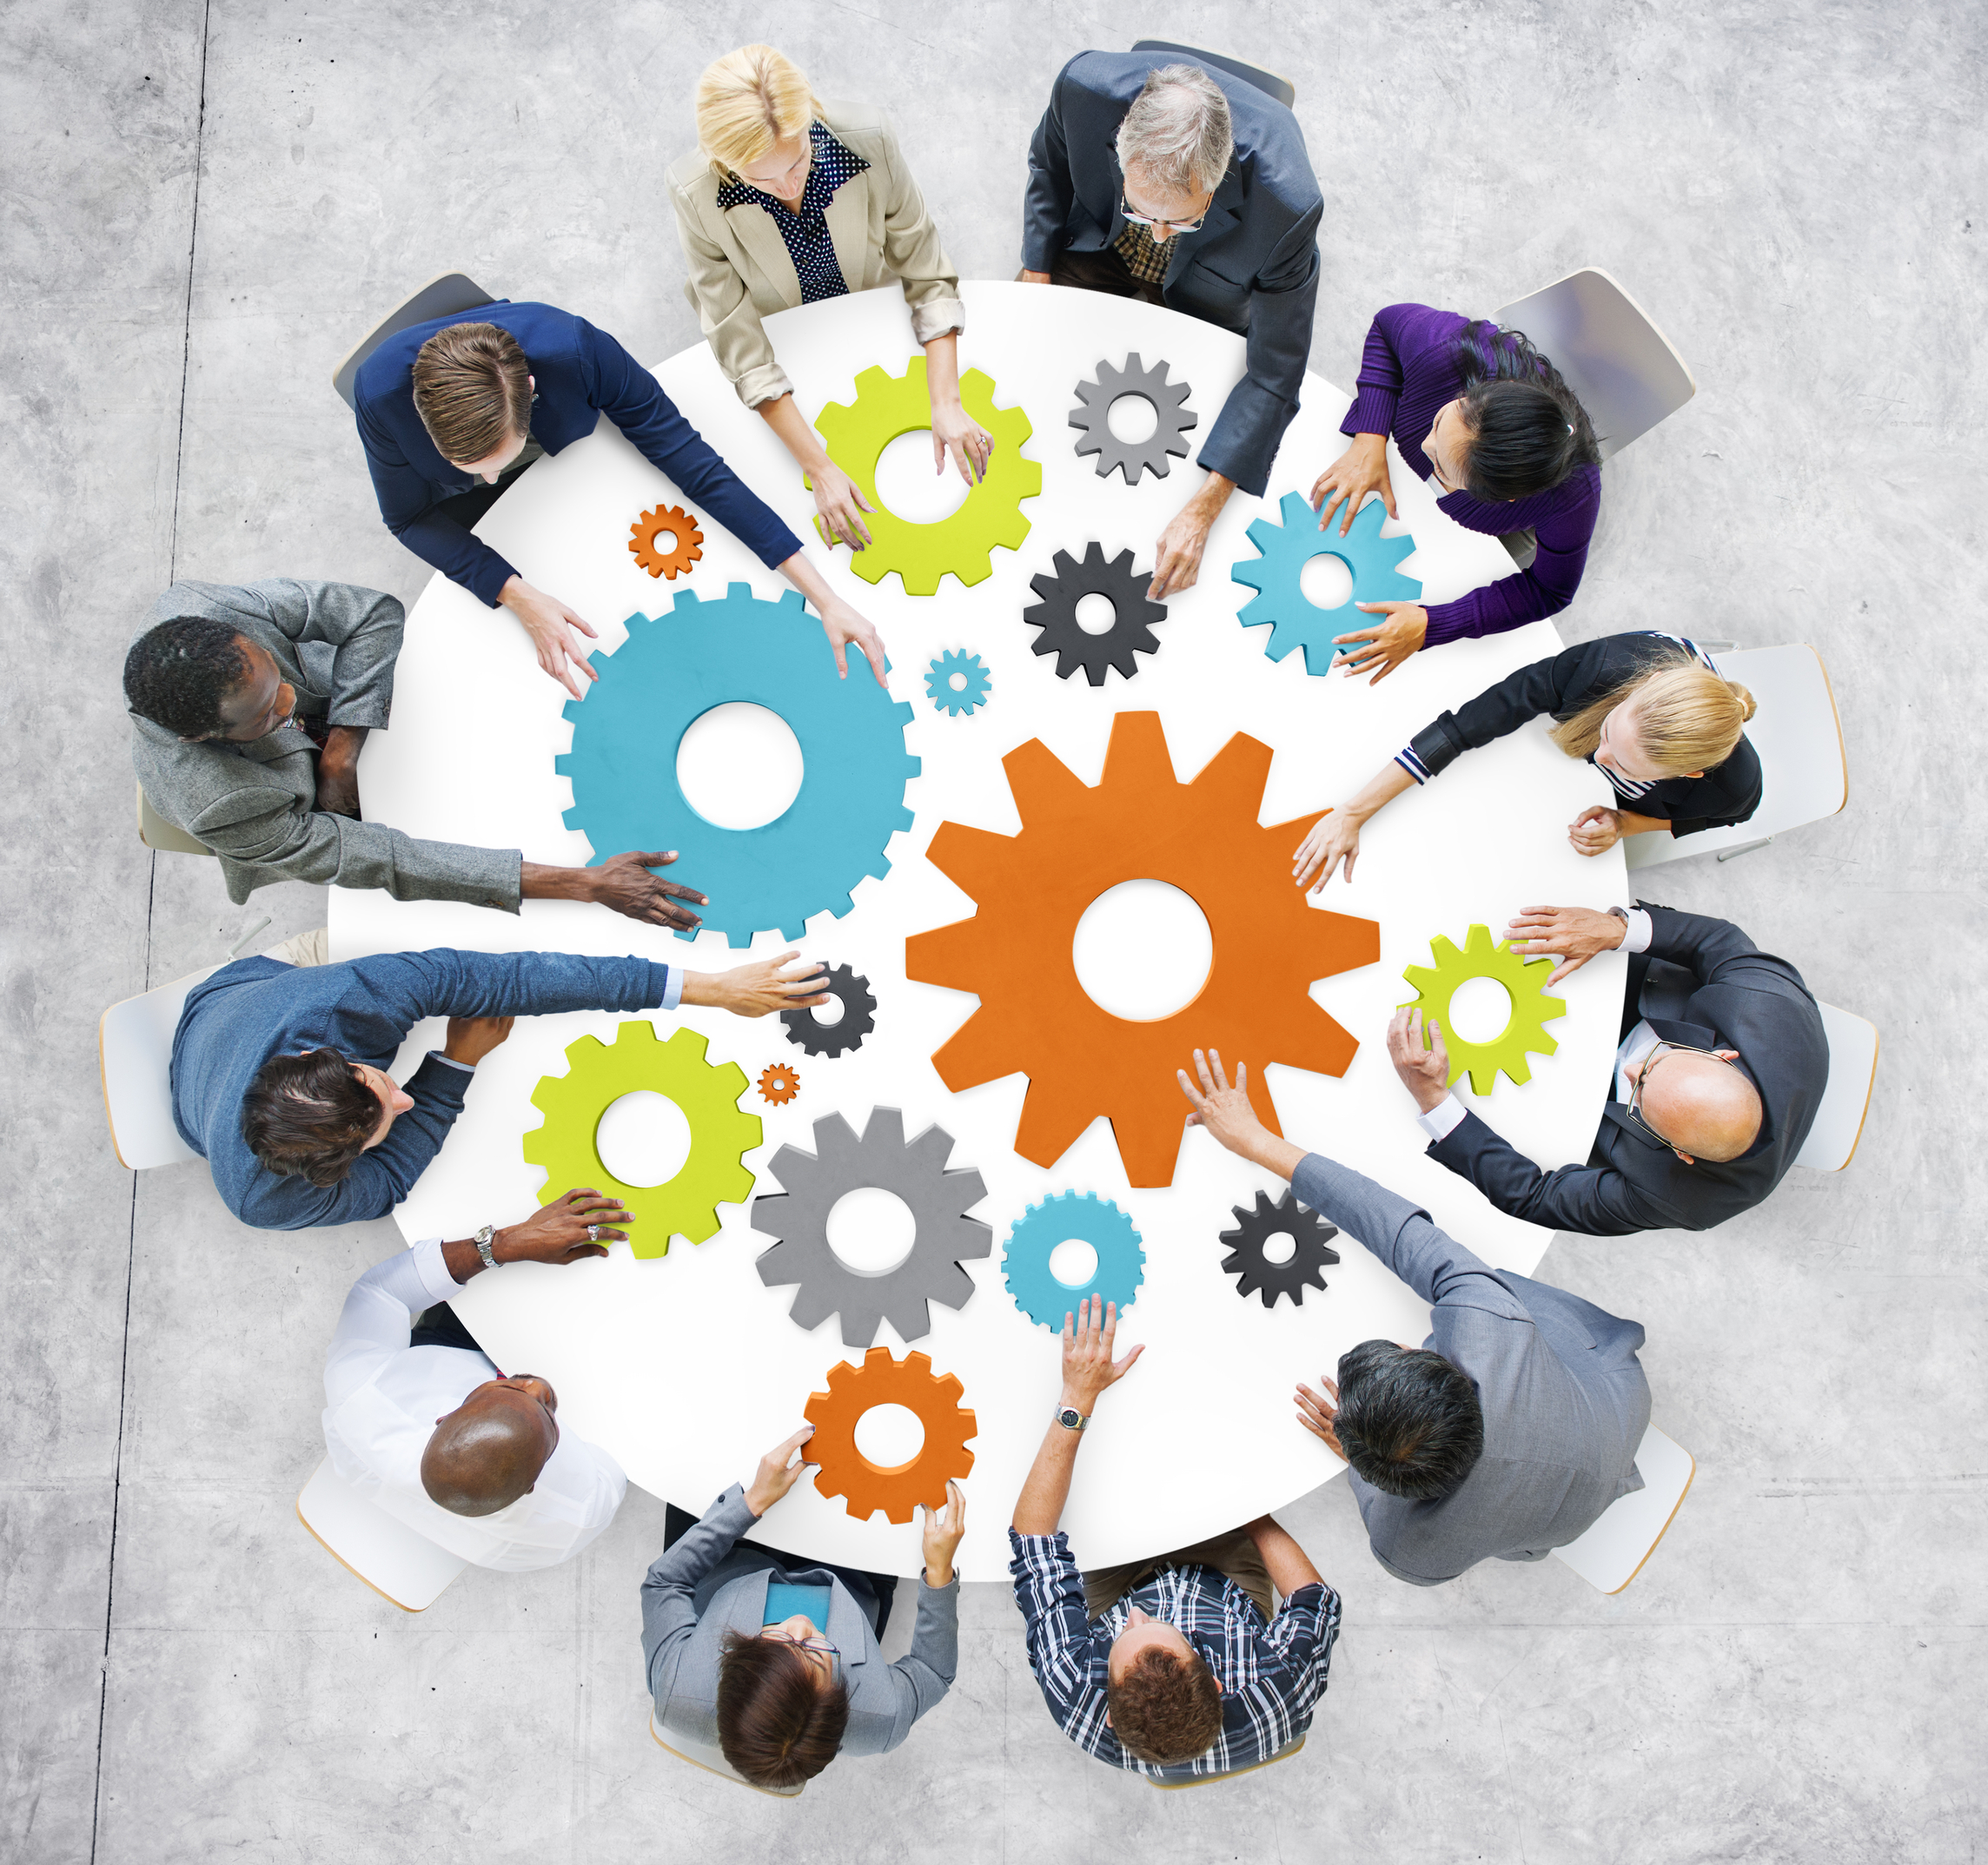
(887, 406)
(721, 1133)
(1524, 980)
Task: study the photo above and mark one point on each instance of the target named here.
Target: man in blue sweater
(450, 412)
(279, 1073)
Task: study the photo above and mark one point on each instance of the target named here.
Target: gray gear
(916, 1172)
(1133, 458)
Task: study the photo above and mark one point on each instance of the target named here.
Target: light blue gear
(1281, 600)
(668, 674)
(939, 683)
(1058, 1219)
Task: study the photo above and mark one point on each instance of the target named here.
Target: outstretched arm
(1088, 1368)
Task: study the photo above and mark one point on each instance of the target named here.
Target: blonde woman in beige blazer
(788, 200)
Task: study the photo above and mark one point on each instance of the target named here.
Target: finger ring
(594, 1233)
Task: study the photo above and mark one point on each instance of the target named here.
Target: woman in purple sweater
(1483, 414)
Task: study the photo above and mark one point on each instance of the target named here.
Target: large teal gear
(668, 674)
(1524, 980)
(961, 545)
(1295, 620)
(721, 1133)
(1061, 1218)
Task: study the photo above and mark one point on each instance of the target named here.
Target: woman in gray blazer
(775, 1662)
(787, 200)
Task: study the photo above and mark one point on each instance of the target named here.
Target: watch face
(1070, 1417)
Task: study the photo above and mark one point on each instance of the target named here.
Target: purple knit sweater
(1407, 373)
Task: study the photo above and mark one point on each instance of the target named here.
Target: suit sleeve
(913, 252)
(1591, 1201)
(402, 987)
(924, 1674)
(361, 625)
(1544, 687)
(669, 1610)
(1045, 205)
(407, 503)
(726, 314)
(1711, 948)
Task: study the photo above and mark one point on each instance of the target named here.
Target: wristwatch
(481, 1240)
(1070, 1418)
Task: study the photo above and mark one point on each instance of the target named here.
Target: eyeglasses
(1148, 219)
(1643, 1080)
(811, 1644)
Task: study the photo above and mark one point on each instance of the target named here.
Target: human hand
(839, 505)
(1224, 1111)
(546, 620)
(624, 882)
(1423, 1065)
(943, 1529)
(763, 987)
(1320, 1415)
(1177, 561)
(1595, 830)
(1574, 934)
(842, 625)
(779, 1471)
(1088, 1367)
(471, 1038)
(1033, 278)
(577, 1224)
(956, 432)
(1334, 837)
(1388, 645)
(338, 771)
(1362, 468)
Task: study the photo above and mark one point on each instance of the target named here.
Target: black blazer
(1253, 264)
(1565, 682)
(1707, 984)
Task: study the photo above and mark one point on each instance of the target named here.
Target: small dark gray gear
(1055, 613)
(1133, 458)
(857, 1019)
(945, 1237)
(1306, 1268)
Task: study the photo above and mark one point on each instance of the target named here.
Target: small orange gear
(643, 533)
(881, 1381)
(779, 1084)
(1140, 821)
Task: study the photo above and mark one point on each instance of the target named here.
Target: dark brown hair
(1165, 1708)
(308, 1116)
(775, 1725)
(473, 390)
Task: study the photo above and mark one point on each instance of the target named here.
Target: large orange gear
(643, 533)
(1140, 821)
(881, 1381)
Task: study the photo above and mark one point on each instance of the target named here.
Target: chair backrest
(1805, 770)
(135, 1056)
(440, 297)
(156, 832)
(1624, 369)
(1283, 1754)
(1611, 1554)
(1268, 81)
(400, 1565)
(1846, 1100)
(713, 1762)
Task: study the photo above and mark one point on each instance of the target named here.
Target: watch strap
(482, 1243)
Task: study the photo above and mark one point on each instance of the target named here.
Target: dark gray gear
(1306, 1267)
(858, 1016)
(1056, 614)
(939, 1200)
(1133, 458)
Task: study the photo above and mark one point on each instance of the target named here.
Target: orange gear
(643, 533)
(779, 1083)
(881, 1381)
(1139, 822)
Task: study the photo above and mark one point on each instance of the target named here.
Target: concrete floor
(207, 200)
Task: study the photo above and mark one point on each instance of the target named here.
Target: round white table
(686, 1367)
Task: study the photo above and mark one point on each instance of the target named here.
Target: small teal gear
(668, 674)
(939, 683)
(1295, 620)
(1061, 1218)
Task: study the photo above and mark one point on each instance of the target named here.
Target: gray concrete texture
(207, 200)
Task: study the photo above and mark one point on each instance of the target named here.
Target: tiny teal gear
(672, 671)
(1061, 1218)
(1295, 620)
(939, 683)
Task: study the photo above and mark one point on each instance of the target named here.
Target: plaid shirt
(1270, 1674)
(1146, 258)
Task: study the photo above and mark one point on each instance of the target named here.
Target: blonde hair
(1688, 716)
(473, 390)
(746, 102)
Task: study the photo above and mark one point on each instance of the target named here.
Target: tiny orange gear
(643, 533)
(1139, 823)
(779, 1083)
(881, 1381)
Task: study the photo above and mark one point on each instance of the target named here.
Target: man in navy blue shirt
(450, 408)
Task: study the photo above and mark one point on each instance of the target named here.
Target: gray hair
(1177, 131)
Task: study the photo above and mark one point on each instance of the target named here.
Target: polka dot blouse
(806, 233)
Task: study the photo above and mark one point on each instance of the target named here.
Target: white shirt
(382, 1398)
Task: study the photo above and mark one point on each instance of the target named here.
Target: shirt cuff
(1411, 762)
(1442, 1119)
(1642, 928)
(672, 992)
(449, 1061)
(1372, 412)
(437, 1281)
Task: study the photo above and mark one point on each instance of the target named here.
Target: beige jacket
(740, 272)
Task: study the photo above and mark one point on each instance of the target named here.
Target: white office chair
(1624, 369)
(400, 1566)
(156, 832)
(444, 294)
(1853, 1075)
(713, 1762)
(135, 1056)
(1611, 1554)
(1805, 769)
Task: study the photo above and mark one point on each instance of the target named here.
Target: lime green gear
(1524, 980)
(720, 1132)
(887, 406)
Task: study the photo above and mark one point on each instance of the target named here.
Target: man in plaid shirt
(1176, 1667)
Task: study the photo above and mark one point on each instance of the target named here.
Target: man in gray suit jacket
(248, 707)
(1508, 1432)
(780, 1692)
